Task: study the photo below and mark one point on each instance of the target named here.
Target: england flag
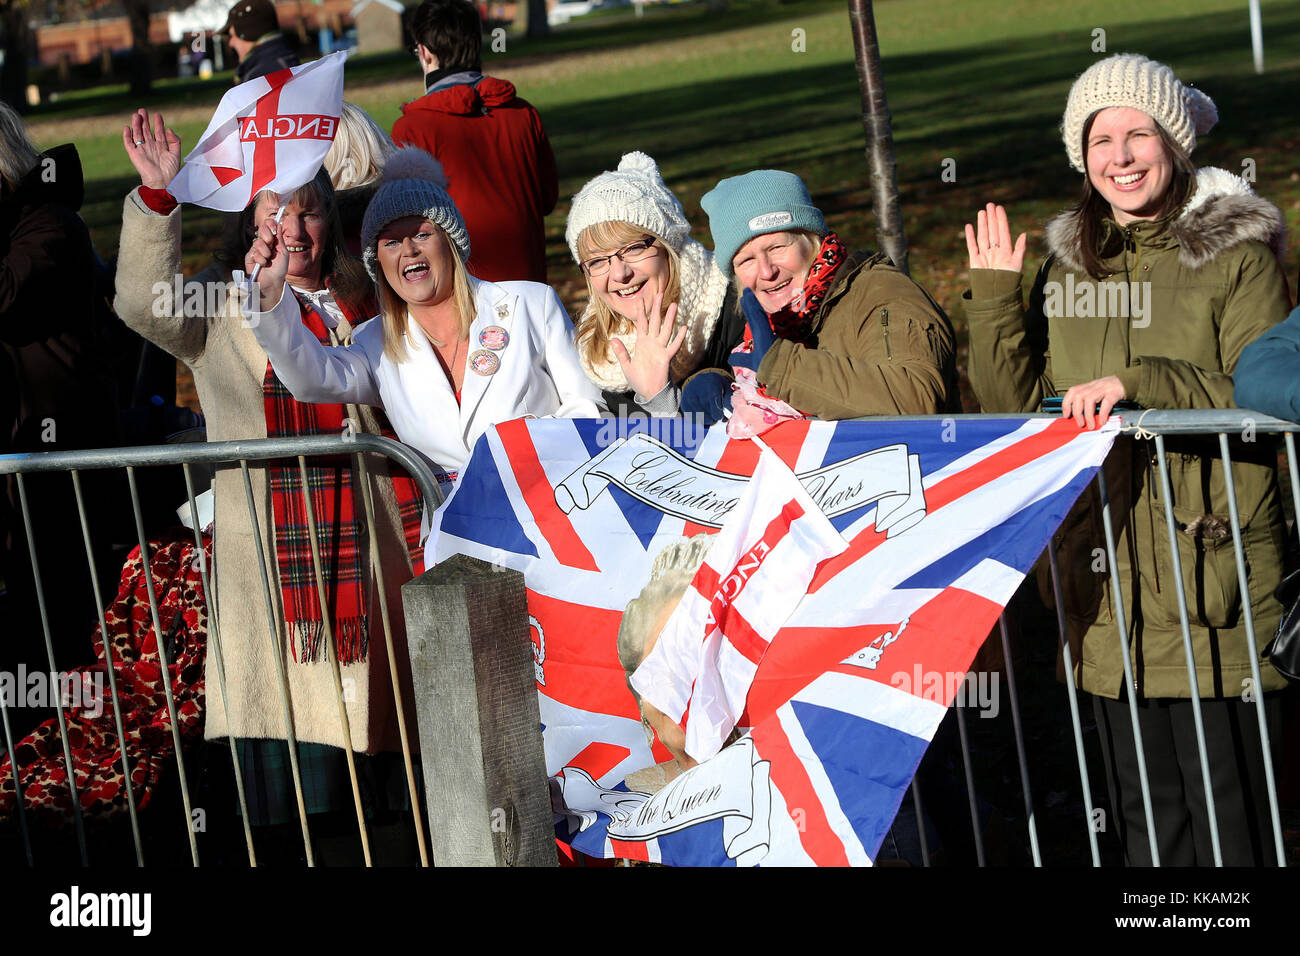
(271, 132)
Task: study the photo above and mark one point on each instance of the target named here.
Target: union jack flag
(940, 521)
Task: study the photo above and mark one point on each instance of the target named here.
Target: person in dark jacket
(254, 34)
(57, 393)
(493, 149)
(1267, 377)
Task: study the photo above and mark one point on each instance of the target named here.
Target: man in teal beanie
(836, 334)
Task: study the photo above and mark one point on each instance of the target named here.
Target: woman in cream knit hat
(1156, 281)
(658, 309)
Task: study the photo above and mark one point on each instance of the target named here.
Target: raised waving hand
(154, 150)
(989, 241)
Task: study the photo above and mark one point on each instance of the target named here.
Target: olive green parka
(882, 346)
(1197, 288)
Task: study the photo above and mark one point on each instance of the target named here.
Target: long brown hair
(1093, 210)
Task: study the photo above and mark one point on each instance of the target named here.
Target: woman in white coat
(453, 354)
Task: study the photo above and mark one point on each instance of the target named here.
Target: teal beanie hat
(766, 200)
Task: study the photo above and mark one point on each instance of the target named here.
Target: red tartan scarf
(340, 535)
(794, 322)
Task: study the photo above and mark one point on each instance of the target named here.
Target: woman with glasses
(453, 354)
(659, 309)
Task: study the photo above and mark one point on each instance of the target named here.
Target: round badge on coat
(494, 337)
(484, 362)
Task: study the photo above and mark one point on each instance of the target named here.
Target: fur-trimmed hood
(1223, 211)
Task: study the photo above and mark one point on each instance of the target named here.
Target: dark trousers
(1178, 806)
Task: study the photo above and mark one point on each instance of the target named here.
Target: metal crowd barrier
(1151, 426)
(187, 455)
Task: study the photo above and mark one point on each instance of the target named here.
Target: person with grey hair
(57, 393)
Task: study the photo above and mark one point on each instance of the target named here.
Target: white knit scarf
(704, 288)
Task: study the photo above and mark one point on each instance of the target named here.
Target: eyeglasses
(632, 252)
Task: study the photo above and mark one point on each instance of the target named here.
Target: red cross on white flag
(271, 132)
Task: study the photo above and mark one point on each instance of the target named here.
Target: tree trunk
(880, 139)
(718, 6)
(538, 25)
(141, 66)
(13, 76)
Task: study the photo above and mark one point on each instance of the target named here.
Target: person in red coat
(498, 161)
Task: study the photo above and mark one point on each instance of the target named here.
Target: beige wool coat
(229, 367)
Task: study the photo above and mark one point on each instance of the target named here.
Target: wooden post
(480, 727)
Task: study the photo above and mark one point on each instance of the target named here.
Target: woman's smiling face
(628, 283)
(775, 266)
(1128, 163)
(416, 259)
(305, 235)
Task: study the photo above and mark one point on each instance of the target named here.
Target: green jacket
(1207, 284)
(883, 346)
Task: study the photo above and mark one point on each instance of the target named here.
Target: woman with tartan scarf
(658, 308)
(831, 334)
(243, 399)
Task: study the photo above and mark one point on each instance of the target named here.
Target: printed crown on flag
(270, 132)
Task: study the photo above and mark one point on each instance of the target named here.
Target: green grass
(711, 97)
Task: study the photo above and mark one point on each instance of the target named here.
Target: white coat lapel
(491, 339)
(424, 390)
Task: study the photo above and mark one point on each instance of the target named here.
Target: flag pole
(258, 268)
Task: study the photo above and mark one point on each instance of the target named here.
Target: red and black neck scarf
(340, 536)
(794, 322)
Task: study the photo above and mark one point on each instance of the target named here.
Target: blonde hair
(359, 151)
(670, 575)
(18, 155)
(809, 240)
(598, 321)
(393, 309)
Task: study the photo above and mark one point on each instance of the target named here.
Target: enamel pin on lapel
(484, 362)
(503, 310)
(494, 337)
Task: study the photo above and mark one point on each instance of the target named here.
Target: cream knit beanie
(1129, 79)
(634, 193)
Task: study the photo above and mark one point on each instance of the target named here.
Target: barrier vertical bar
(393, 674)
(215, 637)
(1073, 696)
(1289, 437)
(1194, 685)
(332, 654)
(18, 786)
(920, 823)
(1020, 741)
(970, 784)
(108, 661)
(1130, 683)
(161, 643)
(277, 651)
(1248, 615)
(49, 651)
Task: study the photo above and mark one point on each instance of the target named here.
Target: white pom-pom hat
(634, 193)
(413, 184)
(1129, 79)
